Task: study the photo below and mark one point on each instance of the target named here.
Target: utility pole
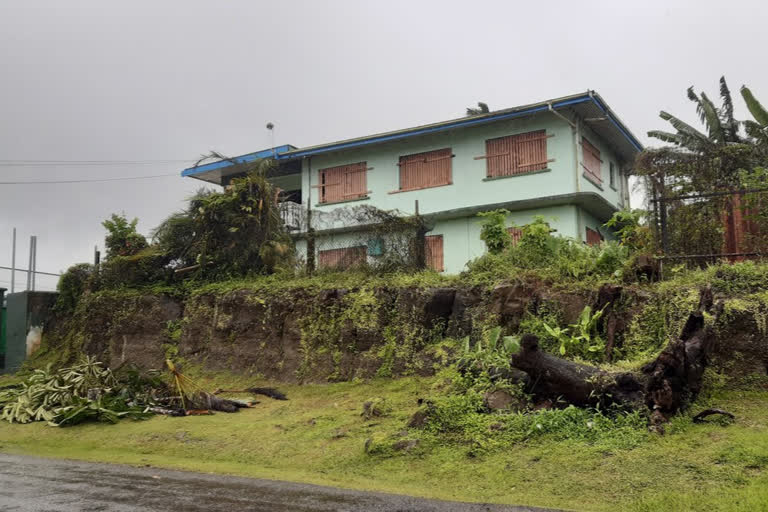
(13, 262)
(29, 263)
(32, 263)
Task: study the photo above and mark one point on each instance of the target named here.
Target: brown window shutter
(424, 170)
(343, 182)
(516, 154)
(593, 237)
(516, 234)
(342, 258)
(592, 161)
(433, 248)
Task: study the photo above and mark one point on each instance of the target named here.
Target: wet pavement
(30, 484)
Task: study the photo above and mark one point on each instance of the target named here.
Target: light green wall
(461, 237)
(590, 221)
(612, 195)
(468, 188)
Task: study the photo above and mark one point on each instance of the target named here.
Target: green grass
(319, 437)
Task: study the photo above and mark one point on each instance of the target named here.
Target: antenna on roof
(271, 128)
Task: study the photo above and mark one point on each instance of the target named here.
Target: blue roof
(587, 103)
(250, 157)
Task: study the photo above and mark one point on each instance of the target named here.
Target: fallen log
(270, 392)
(699, 418)
(664, 386)
(579, 384)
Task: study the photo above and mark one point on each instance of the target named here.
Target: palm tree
(721, 127)
(757, 129)
(482, 108)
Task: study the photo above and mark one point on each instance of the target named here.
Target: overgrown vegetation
(552, 257)
(234, 233)
(582, 338)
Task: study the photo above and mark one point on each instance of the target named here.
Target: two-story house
(566, 159)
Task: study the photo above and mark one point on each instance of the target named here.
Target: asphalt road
(36, 484)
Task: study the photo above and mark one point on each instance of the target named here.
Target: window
(593, 237)
(433, 249)
(424, 170)
(516, 154)
(342, 258)
(613, 176)
(342, 183)
(516, 234)
(591, 161)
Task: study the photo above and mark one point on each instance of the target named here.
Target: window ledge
(537, 171)
(593, 180)
(361, 198)
(420, 188)
(613, 187)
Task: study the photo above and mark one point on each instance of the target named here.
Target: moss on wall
(310, 330)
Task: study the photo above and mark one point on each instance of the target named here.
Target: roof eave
(438, 127)
(241, 159)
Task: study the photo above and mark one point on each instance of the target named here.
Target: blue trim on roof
(278, 152)
(250, 157)
(617, 124)
(449, 126)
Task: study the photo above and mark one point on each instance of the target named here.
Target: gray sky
(169, 80)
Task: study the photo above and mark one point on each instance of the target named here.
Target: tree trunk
(554, 378)
(664, 386)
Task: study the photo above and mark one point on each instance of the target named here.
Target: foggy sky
(169, 80)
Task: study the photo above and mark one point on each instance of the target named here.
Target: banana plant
(757, 129)
(721, 126)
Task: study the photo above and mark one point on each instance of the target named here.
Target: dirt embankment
(340, 334)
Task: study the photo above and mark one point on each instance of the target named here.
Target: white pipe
(561, 116)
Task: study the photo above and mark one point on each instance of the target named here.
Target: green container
(25, 310)
(2, 329)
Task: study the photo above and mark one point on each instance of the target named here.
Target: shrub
(493, 232)
(141, 269)
(581, 338)
(72, 284)
(233, 233)
(122, 238)
(551, 256)
(628, 226)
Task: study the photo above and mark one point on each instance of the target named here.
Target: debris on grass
(700, 418)
(89, 391)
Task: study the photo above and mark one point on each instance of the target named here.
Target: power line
(59, 163)
(36, 271)
(59, 182)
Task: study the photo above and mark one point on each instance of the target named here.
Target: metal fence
(709, 226)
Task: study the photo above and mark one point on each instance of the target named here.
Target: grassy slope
(318, 436)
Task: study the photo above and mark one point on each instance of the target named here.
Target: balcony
(292, 214)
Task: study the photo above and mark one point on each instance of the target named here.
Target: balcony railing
(292, 215)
